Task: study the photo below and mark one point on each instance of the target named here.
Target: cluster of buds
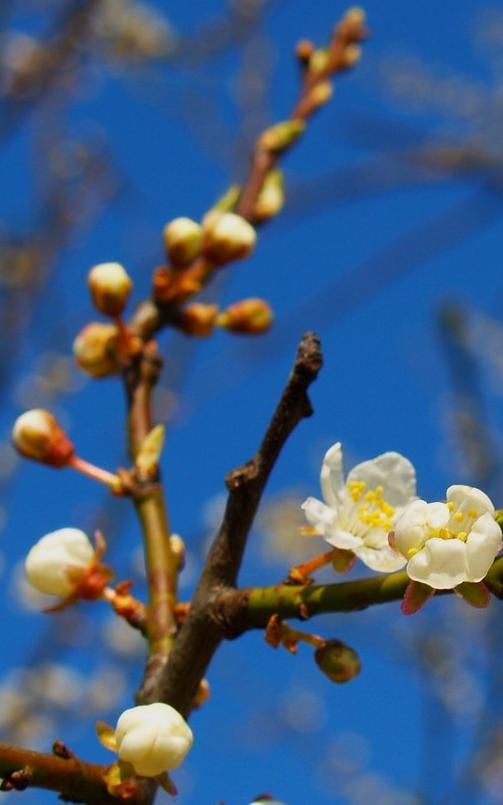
(250, 317)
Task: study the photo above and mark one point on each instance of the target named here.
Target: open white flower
(360, 511)
(154, 738)
(50, 559)
(449, 543)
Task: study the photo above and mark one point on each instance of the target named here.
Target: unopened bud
(281, 136)
(149, 453)
(250, 316)
(183, 239)
(304, 50)
(49, 561)
(351, 56)
(177, 546)
(319, 61)
(38, 435)
(271, 197)
(229, 237)
(337, 661)
(95, 349)
(110, 286)
(321, 93)
(355, 16)
(154, 738)
(203, 694)
(199, 319)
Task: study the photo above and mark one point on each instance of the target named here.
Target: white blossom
(359, 512)
(154, 738)
(449, 543)
(49, 561)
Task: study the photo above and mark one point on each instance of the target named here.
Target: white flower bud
(95, 349)
(154, 738)
(229, 237)
(50, 558)
(38, 435)
(183, 239)
(110, 286)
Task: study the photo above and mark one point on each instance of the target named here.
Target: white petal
(393, 472)
(383, 559)
(343, 539)
(411, 528)
(318, 514)
(482, 545)
(332, 478)
(441, 564)
(469, 497)
(437, 515)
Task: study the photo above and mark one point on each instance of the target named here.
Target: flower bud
(38, 435)
(355, 16)
(183, 239)
(304, 50)
(250, 316)
(281, 136)
(229, 237)
(49, 560)
(110, 286)
(154, 738)
(337, 661)
(351, 56)
(199, 319)
(271, 197)
(319, 61)
(95, 349)
(321, 93)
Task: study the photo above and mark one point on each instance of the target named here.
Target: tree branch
(74, 779)
(203, 631)
(252, 608)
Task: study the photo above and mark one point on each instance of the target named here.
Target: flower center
(374, 511)
(458, 527)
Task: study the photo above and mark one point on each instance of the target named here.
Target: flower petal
(393, 472)
(441, 564)
(332, 478)
(342, 539)
(383, 559)
(482, 545)
(469, 497)
(320, 515)
(410, 528)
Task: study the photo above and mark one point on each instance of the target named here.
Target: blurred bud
(271, 197)
(351, 56)
(228, 201)
(281, 136)
(177, 546)
(203, 694)
(183, 239)
(355, 17)
(321, 93)
(199, 319)
(319, 61)
(250, 316)
(38, 435)
(50, 558)
(304, 50)
(337, 661)
(95, 349)
(229, 237)
(110, 286)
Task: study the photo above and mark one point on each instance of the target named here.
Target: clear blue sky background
(385, 384)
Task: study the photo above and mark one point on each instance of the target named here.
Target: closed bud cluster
(183, 239)
(280, 137)
(337, 661)
(228, 237)
(250, 316)
(38, 435)
(271, 197)
(95, 349)
(49, 561)
(154, 738)
(199, 319)
(110, 286)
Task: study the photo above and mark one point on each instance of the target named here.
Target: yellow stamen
(355, 489)
(459, 516)
(412, 552)
(450, 506)
(462, 536)
(473, 513)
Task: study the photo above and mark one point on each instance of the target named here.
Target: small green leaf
(106, 736)
(474, 593)
(149, 453)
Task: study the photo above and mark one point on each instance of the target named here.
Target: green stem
(289, 601)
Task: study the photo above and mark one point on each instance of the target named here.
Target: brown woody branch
(203, 630)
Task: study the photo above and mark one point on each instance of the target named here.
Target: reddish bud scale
(250, 316)
(199, 319)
